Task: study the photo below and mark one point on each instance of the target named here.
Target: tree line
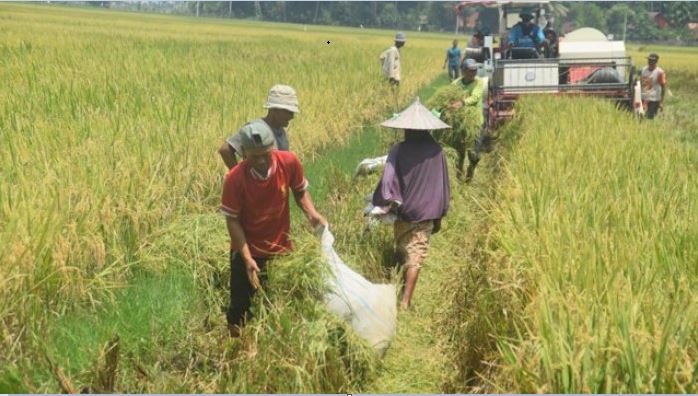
(634, 20)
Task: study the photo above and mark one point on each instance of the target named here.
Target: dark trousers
(241, 291)
(652, 109)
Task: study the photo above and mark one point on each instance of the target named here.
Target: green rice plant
(593, 243)
(110, 122)
(464, 127)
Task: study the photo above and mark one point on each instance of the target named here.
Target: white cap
(416, 117)
(282, 97)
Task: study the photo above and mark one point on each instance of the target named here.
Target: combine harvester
(584, 62)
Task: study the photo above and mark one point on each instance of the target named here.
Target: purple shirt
(415, 174)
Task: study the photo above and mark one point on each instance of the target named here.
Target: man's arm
(228, 155)
(540, 36)
(305, 203)
(513, 35)
(239, 242)
(476, 95)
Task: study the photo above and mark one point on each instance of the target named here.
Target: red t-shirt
(261, 205)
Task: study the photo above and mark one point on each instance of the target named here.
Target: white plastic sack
(370, 165)
(369, 308)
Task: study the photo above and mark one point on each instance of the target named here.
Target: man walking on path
(473, 93)
(282, 105)
(453, 56)
(390, 59)
(255, 205)
(653, 86)
(415, 184)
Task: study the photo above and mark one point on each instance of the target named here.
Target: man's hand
(437, 226)
(455, 105)
(252, 271)
(317, 221)
(661, 106)
(394, 205)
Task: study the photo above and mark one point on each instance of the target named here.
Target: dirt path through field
(422, 358)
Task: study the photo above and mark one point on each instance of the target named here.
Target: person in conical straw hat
(415, 185)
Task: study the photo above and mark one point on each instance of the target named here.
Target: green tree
(677, 13)
(618, 17)
(587, 15)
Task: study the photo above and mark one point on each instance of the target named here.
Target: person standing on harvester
(416, 186)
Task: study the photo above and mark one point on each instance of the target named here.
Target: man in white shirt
(653, 86)
(390, 59)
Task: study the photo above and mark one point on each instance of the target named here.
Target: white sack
(369, 308)
(370, 165)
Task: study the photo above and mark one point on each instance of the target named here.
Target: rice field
(590, 258)
(110, 124)
(569, 265)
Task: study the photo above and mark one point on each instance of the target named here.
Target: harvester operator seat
(523, 53)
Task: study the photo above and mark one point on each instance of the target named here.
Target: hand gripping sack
(369, 308)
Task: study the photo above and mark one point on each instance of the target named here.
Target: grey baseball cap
(469, 64)
(256, 134)
(400, 37)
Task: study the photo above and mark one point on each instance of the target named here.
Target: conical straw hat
(416, 117)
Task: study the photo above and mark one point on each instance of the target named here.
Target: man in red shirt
(255, 203)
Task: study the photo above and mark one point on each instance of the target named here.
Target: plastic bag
(369, 308)
(377, 215)
(370, 165)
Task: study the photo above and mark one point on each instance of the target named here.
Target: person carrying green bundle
(460, 105)
(473, 87)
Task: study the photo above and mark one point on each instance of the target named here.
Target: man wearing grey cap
(473, 93)
(255, 205)
(390, 59)
(282, 105)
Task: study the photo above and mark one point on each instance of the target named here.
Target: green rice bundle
(463, 122)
